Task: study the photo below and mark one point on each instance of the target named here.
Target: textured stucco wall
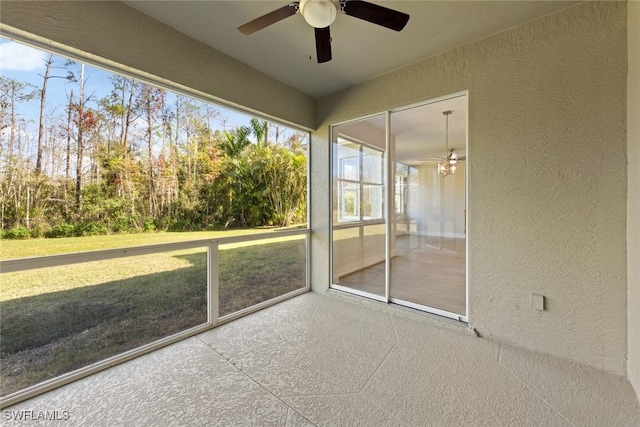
(547, 99)
(123, 35)
(547, 176)
(633, 204)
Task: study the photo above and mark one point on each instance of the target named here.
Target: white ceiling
(361, 50)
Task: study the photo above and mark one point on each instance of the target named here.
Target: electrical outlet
(537, 302)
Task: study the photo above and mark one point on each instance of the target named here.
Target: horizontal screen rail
(357, 224)
(31, 263)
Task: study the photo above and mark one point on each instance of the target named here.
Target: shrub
(164, 223)
(90, 228)
(149, 225)
(36, 232)
(61, 230)
(181, 225)
(19, 232)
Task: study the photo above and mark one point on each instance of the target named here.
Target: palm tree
(233, 142)
(260, 129)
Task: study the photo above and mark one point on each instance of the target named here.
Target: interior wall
(441, 202)
(633, 203)
(547, 176)
(149, 48)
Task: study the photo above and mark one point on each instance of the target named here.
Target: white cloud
(17, 57)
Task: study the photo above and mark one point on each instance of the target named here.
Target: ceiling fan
(320, 14)
(452, 156)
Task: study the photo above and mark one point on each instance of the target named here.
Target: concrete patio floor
(319, 360)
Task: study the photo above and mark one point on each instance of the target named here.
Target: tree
(233, 142)
(139, 156)
(43, 100)
(260, 129)
(151, 100)
(282, 176)
(257, 185)
(13, 92)
(85, 121)
(127, 87)
(121, 110)
(68, 130)
(121, 106)
(79, 153)
(12, 184)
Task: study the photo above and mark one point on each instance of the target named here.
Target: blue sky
(26, 64)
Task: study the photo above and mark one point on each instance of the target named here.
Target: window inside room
(359, 182)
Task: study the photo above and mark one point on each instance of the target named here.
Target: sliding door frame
(389, 211)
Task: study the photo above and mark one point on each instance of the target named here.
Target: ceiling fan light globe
(319, 13)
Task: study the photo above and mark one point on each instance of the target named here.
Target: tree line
(139, 159)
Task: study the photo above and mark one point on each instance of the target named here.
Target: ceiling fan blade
(375, 14)
(323, 44)
(431, 159)
(268, 19)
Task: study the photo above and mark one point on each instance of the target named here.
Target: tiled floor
(334, 361)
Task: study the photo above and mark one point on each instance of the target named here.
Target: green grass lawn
(55, 320)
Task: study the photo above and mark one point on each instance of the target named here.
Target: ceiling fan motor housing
(319, 13)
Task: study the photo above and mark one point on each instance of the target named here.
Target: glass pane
(348, 159)
(359, 205)
(372, 165)
(72, 316)
(428, 265)
(349, 201)
(372, 202)
(254, 272)
(358, 258)
(350, 167)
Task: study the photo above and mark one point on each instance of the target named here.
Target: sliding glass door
(410, 250)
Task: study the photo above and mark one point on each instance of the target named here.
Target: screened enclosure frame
(211, 245)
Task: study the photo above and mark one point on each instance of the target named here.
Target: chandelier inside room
(448, 167)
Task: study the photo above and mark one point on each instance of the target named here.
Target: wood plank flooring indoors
(425, 275)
